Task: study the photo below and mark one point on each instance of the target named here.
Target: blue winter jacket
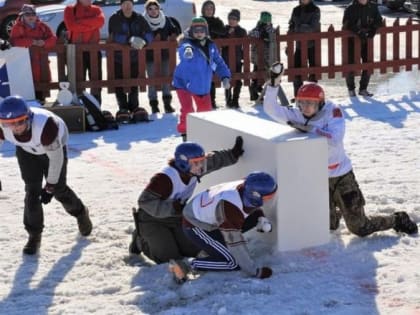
(195, 74)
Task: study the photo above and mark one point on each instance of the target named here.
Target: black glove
(46, 194)
(300, 127)
(264, 272)
(237, 149)
(276, 71)
(4, 44)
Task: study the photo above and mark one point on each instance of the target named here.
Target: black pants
(130, 101)
(33, 169)
(96, 92)
(298, 80)
(365, 77)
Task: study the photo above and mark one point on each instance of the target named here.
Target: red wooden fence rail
(385, 54)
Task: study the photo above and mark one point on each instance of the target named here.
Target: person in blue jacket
(199, 58)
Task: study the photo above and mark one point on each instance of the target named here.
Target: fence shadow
(392, 111)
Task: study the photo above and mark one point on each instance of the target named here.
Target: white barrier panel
(16, 73)
(298, 161)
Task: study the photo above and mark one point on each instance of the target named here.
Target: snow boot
(84, 223)
(179, 269)
(123, 116)
(32, 245)
(154, 106)
(135, 245)
(404, 224)
(167, 104)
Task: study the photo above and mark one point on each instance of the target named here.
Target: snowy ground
(378, 274)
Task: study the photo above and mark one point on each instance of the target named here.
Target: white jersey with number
(204, 204)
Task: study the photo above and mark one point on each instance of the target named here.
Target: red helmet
(311, 92)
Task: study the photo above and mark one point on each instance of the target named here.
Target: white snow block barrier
(299, 162)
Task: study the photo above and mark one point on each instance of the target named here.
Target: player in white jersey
(158, 218)
(40, 138)
(215, 220)
(314, 115)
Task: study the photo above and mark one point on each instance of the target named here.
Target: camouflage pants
(347, 200)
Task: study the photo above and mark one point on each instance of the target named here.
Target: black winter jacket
(362, 20)
(120, 29)
(305, 19)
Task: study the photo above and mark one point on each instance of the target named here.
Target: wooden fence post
(71, 66)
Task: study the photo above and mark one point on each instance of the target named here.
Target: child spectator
(263, 30)
(163, 28)
(305, 19)
(234, 30)
(30, 31)
(199, 58)
(216, 30)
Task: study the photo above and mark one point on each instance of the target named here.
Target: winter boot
(365, 93)
(404, 224)
(32, 245)
(179, 269)
(154, 106)
(235, 96)
(135, 245)
(253, 92)
(167, 104)
(228, 98)
(84, 223)
(123, 116)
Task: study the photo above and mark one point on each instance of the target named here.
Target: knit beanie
(234, 13)
(122, 1)
(151, 2)
(198, 23)
(265, 17)
(27, 9)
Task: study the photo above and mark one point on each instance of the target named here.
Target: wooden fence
(393, 47)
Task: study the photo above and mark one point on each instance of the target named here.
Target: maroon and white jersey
(34, 145)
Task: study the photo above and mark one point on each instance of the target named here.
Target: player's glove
(276, 70)
(264, 272)
(300, 127)
(188, 53)
(237, 149)
(47, 193)
(264, 225)
(226, 83)
(137, 42)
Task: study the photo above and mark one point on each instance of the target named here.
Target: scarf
(157, 22)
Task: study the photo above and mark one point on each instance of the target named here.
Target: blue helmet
(258, 185)
(185, 152)
(14, 108)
